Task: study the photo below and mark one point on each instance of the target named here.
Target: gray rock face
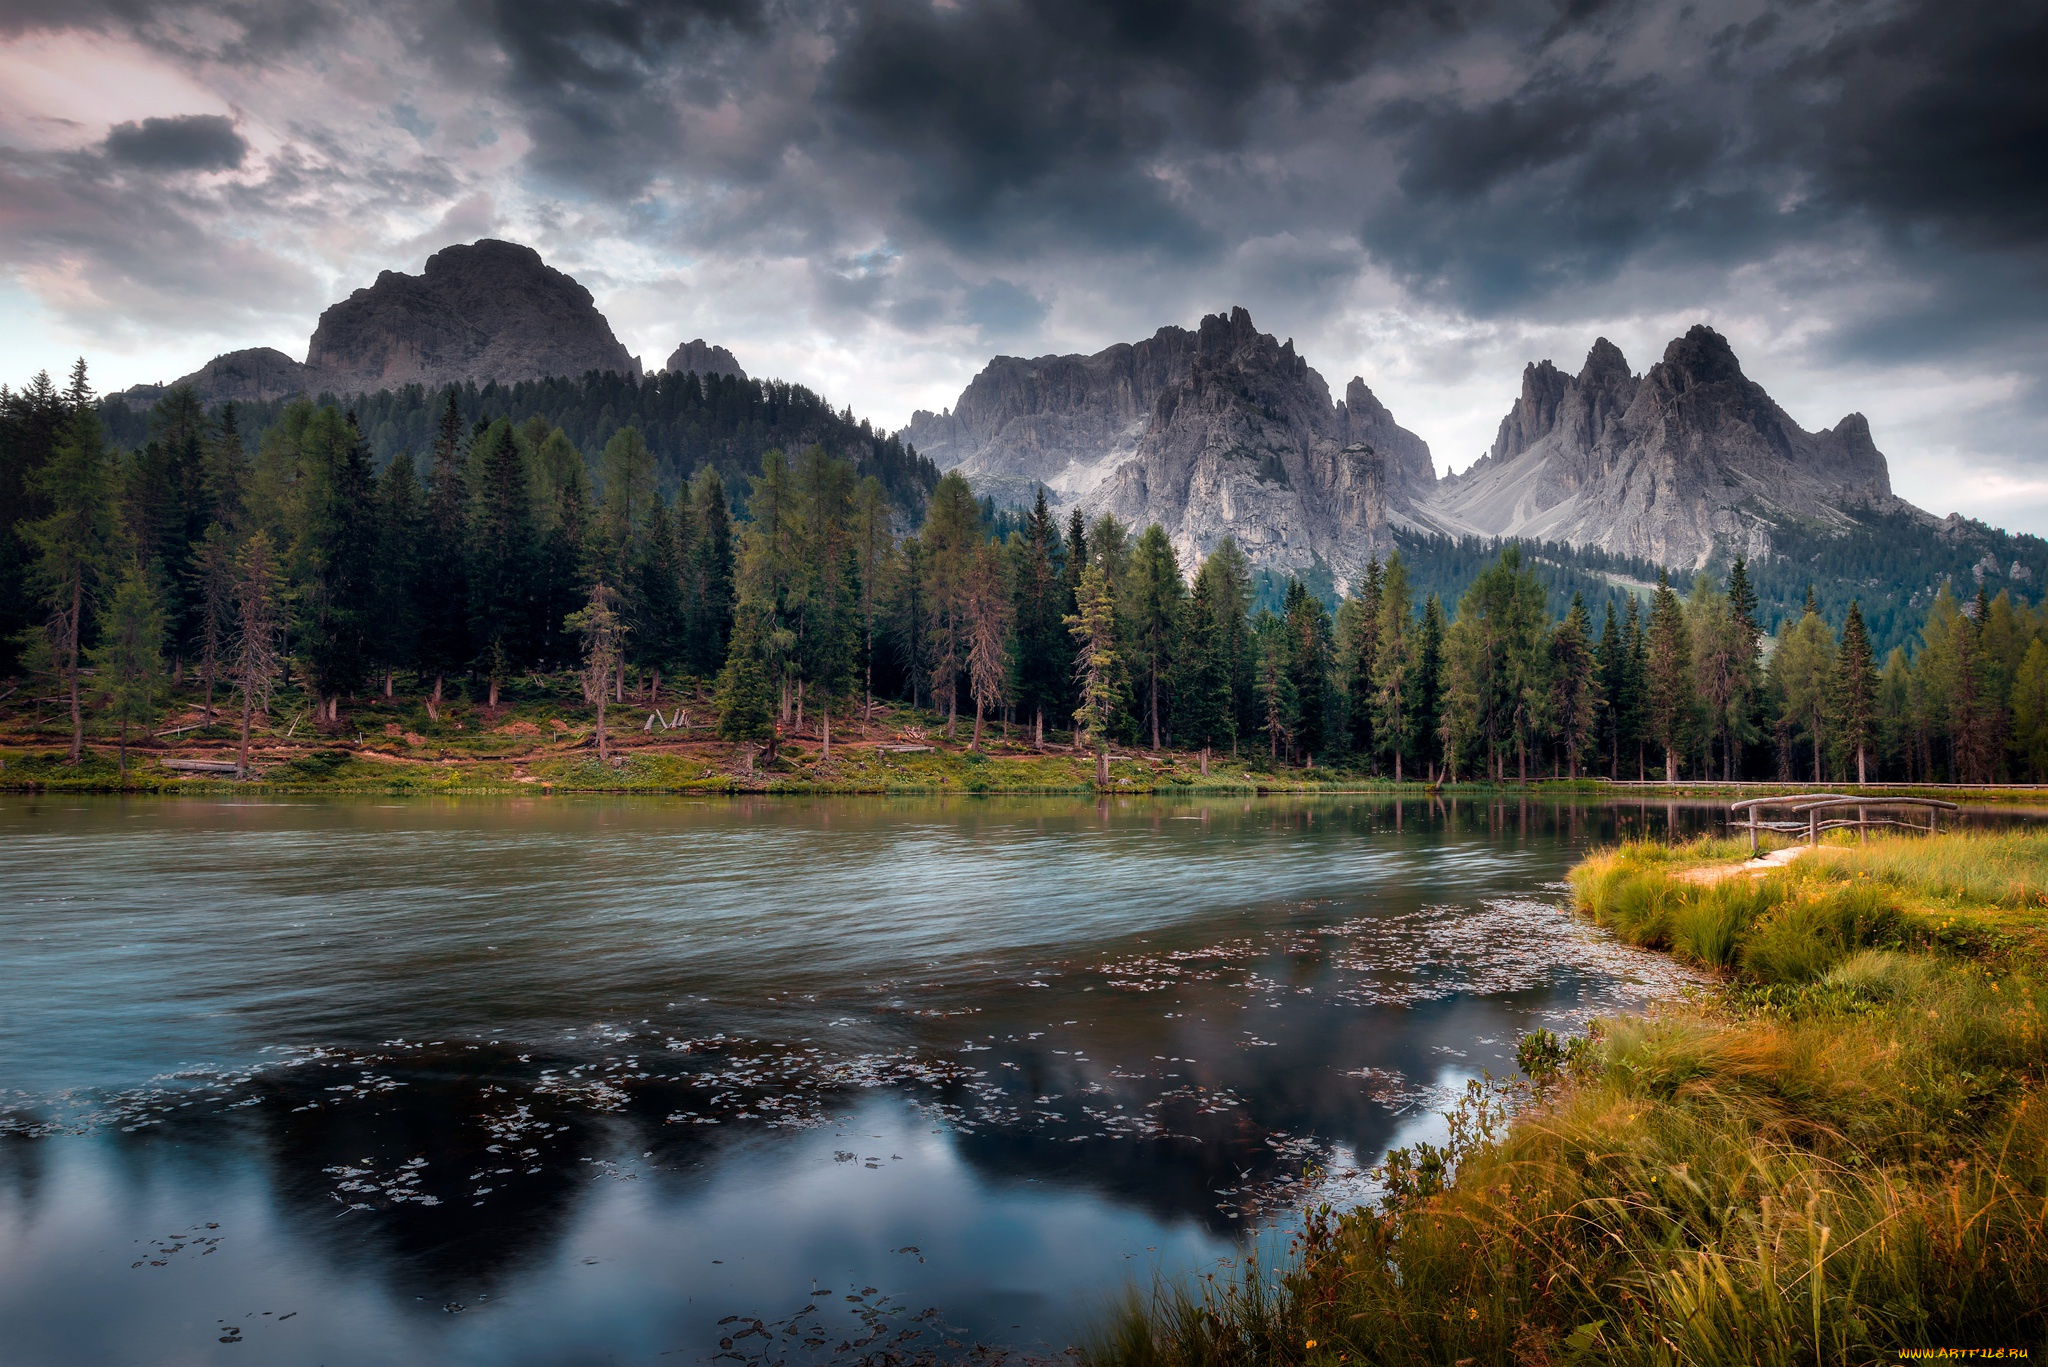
(1248, 445)
(705, 359)
(251, 376)
(1222, 431)
(1061, 421)
(1690, 459)
(489, 311)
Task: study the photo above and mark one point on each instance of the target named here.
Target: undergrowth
(1840, 1154)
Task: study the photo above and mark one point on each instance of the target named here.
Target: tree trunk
(387, 683)
(1861, 777)
(977, 725)
(825, 756)
(242, 754)
(1102, 768)
(1397, 766)
(122, 762)
(493, 703)
(603, 751)
(1816, 752)
(1155, 711)
(1670, 765)
(1205, 761)
(654, 688)
(1522, 759)
(1039, 731)
(952, 709)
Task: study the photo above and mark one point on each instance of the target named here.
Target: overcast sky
(872, 199)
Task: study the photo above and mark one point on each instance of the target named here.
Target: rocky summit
(1692, 459)
(488, 311)
(1221, 431)
(1224, 431)
(704, 359)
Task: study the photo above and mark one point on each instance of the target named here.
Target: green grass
(1838, 1155)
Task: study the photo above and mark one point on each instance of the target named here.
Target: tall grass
(1840, 1156)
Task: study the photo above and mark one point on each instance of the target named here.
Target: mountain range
(1223, 430)
(480, 312)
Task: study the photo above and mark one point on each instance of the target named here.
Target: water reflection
(559, 1081)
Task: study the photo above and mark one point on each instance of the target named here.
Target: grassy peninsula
(1838, 1152)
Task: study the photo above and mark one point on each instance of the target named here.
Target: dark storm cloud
(191, 142)
(1031, 119)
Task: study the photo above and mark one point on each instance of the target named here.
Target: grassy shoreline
(1837, 1152)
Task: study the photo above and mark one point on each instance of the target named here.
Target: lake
(568, 1081)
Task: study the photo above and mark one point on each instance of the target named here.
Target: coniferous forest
(750, 545)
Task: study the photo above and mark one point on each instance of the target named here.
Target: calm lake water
(567, 1081)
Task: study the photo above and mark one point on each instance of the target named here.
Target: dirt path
(1753, 868)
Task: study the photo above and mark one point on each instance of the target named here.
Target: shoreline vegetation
(1837, 1151)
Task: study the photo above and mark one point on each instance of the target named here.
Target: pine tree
(952, 534)
(213, 580)
(443, 605)
(1574, 685)
(2030, 708)
(1429, 685)
(602, 628)
(225, 481)
(1803, 670)
(872, 538)
(1855, 692)
(129, 660)
(1670, 694)
(1390, 696)
(395, 622)
(1278, 704)
(1612, 664)
(988, 653)
(659, 618)
(259, 631)
(711, 574)
(1358, 639)
(627, 478)
(1154, 604)
(335, 553)
(1045, 656)
(1308, 668)
(1094, 630)
(746, 703)
(501, 552)
(73, 543)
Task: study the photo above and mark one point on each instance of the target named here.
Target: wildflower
(1311, 1343)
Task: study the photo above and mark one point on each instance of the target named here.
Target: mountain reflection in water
(563, 1081)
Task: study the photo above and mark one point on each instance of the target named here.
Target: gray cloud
(963, 175)
(190, 142)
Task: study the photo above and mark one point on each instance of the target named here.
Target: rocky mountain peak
(705, 359)
(1690, 460)
(490, 310)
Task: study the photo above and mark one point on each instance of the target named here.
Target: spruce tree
(1855, 692)
(711, 574)
(259, 633)
(1574, 685)
(603, 630)
(1094, 630)
(213, 588)
(501, 558)
(1358, 638)
(872, 542)
(336, 556)
(1154, 604)
(1045, 656)
(1308, 668)
(1389, 698)
(988, 650)
(128, 662)
(1429, 686)
(443, 602)
(1612, 663)
(73, 543)
(1672, 701)
(395, 622)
